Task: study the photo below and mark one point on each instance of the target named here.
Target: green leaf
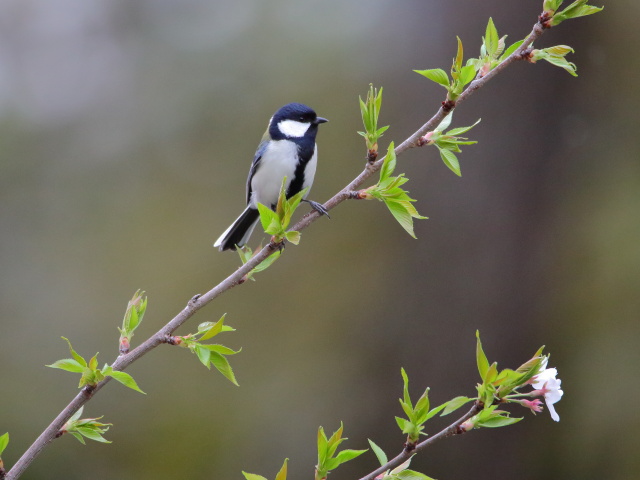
(77, 357)
(322, 446)
(381, 130)
(575, 10)
(125, 379)
(203, 354)
(499, 421)
(78, 437)
(380, 455)
(253, 476)
(268, 218)
(405, 387)
(222, 364)
(91, 434)
(454, 404)
(562, 63)
(450, 160)
(88, 377)
(491, 39)
(459, 58)
(402, 216)
(512, 48)
(93, 363)
(481, 358)
(467, 74)
(412, 475)
(408, 410)
(444, 124)
(389, 164)
(335, 439)
(75, 416)
(404, 424)
(282, 474)
(221, 349)
(266, 263)
(551, 5)
(422, 407)
(293, 237)
(347, 454)
(68, 364)
(461, 130)
(215, 329)
(370, 110)
(4, 441)
(436, 75)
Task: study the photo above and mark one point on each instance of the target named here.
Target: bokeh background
(126, 133)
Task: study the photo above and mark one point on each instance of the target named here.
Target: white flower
(548, 385)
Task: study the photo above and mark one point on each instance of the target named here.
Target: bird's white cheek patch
(291, 128)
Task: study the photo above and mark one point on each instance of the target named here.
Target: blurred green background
(127, 130)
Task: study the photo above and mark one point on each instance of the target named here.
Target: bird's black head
(294, 120)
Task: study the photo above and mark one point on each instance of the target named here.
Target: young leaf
(457, 64)
(380, 455)
(268, 218)
(76, 357)
(327, 460)
(78, 437)
(91, 434)
(436, 75)
(222, 364)
(282, 474)
(370, 110)
(577, 9)
(293, 237)
(450, 160)
(4, 441)
(467, 74)
(246, 254)
(499, 421)
(460, 130)
(253, 476)
(411, 475)
(454, 404)
(346, 455)
(86, 427)
(68, 364)
(402, 216)
(124, 378)
(491, 38)
(215, 329)
(512, 48)
(481, 358)
(389, 164)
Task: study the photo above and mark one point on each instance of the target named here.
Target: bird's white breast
(278, 160)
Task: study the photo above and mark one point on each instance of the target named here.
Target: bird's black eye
(301, 118)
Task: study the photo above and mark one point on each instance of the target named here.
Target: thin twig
(236, 278)
(452, 429)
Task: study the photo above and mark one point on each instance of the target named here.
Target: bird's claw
(318, 207)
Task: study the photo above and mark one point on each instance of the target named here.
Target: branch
(412, 141)
(238, 277)
(452, 429)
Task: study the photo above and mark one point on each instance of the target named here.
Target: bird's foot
(318, 207)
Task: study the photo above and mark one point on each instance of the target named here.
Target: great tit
(288, 149)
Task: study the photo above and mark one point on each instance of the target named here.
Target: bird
(288, 149)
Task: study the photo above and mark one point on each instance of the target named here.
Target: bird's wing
(256, 164)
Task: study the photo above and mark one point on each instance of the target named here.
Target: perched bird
(288, 149)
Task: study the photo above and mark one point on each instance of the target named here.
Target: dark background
(127, 130)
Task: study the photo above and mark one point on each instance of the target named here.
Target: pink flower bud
(533, 405)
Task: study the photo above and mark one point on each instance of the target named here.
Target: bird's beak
(320, 120)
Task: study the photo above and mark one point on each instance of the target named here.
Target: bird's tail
(239, 231)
